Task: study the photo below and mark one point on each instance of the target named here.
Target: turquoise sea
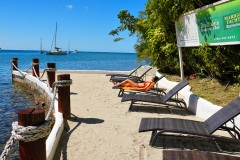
(13, 98)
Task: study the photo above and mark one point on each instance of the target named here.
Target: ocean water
(14, 97)
(73, 61)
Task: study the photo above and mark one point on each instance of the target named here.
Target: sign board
(217, 24)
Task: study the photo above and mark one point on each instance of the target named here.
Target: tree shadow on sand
(62, 146)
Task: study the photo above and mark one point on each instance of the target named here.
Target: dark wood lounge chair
(204, 129)
(123, 75)
(195, 155)
(133, 78)
(166, 99)
(154, 90)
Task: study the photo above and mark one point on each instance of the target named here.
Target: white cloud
(69, 6)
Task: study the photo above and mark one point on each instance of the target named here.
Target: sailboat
(41, 50)
(57, 50)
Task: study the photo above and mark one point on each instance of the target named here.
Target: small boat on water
(57, 50)
(75, 51)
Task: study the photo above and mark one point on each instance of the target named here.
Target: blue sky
(84, 24)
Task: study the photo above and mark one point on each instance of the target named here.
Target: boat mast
(41, 44)
(56, 36)
(69, 46)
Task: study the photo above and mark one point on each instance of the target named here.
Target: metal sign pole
(181, 62)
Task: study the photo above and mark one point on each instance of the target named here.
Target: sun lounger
(195, 155)
(166, 99)
(205, 129)
(112, 75)
(133, 78)
(151, 89)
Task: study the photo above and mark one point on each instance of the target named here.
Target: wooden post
(34, 150)
(15, 62)
(35, 62)
(64, 97)
(51, 74)
(14, 68)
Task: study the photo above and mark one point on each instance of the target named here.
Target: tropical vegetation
(156, 42)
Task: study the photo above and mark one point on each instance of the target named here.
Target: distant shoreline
(33, 50)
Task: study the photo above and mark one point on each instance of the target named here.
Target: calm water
(13, 98)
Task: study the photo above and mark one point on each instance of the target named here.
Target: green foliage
(216, 62)
(118, 39)
(155, 29)
(127, 22)
(209, 60)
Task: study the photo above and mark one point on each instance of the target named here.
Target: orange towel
(151, 85)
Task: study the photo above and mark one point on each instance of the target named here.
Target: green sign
(219, 24)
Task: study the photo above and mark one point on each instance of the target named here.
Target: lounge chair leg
(161, 93)
(130, 108)
(218, 146)
(152, 138)
(170, 110)
(120, 94)
(182, 104)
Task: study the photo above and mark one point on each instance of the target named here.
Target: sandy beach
(102, 128)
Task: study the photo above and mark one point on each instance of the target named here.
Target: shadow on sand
(160, 109)
(62, 146)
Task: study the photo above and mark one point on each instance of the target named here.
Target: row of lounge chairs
(132, 76)
(205, 129)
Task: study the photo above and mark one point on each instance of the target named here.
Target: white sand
(102, 128)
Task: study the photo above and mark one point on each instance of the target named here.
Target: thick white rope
(31, 133)
(26, 134)
(30, 66)
(49, 70)
(7, 148)
(62, 83)
(33, 64)
(18, 70)
(52, 105)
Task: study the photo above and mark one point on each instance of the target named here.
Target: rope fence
(32, 64)
(26, 134)
(18, 70)
(33, 133)
(63, 83)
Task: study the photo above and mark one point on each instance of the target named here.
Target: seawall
(41, 89)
